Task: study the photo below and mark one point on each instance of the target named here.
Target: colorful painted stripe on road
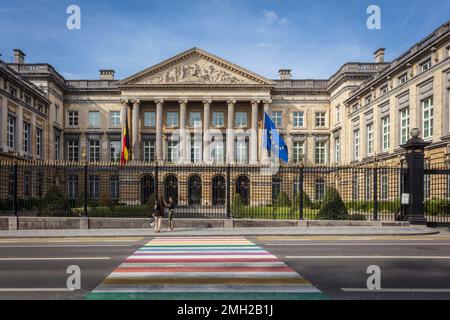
(225, 268)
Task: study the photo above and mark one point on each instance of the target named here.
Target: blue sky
(311, 37)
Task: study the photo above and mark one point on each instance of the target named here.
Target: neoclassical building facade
(198, 108)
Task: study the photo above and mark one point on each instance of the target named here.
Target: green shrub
(237, 205)
(390, 206)
(282, 200)
(361, 206)
(307, 203)
(333, 208)
(55, 202)
(357, 217)
(437, 207)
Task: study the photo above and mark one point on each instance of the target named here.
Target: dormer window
(13, 91)
(384, 90)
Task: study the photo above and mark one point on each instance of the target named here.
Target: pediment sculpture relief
(197, 72)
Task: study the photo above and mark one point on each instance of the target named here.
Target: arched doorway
(243, 188)
(171, 188)
(219, 192)
(147, 188)
(195, 191)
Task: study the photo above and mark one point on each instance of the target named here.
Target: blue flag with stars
(273, 141)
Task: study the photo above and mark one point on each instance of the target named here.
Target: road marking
(353, 244)
(396, 290)
(71, 240)
(372, 257)
(35, 290)
(355, 238)
(68, 246)
(195, 268)
(55, 259)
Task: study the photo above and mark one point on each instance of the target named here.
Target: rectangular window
(217, 152)
(384, 90)
(56, 113)
(277, 117)
(114, 187)
(320, 152)
(356, 144)
(321, 119)
(337, 146)
(94, 151)
(73, 150)
(57, 141)
(114, 118)
(369, 186)
(386, 129)
(39, 142)
(73, 118)
(404, 126)
(11, 132)
(150, 119)
(428, 118)
(425, 65)
(28, 100)
(172, 119)
(368, 100)
(26, 138)
(298, 119)
(94, 187)
(338, 114)
(196, 151)
(241, 119)
(115, 150)
(298, 151)
(149, 151)
(94, 118)
(369, 129)
(355, 188)
(72, 187)
(195, 119)
(320, 190)
(403, 78)
(13, 91)
(218, 119)
(241, 152)
(172, 151)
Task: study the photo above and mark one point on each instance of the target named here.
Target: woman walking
(171, 206)
(159, 214)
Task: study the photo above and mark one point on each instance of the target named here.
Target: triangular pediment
(195, 67)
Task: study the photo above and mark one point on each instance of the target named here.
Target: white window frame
(39, 142)
(320, 152)
(218, 119)
(73, 118)
(241, 120)
(172, 151)
(298, 151)
(298, 119)
(94, 119)
(428, 117)
(115, 150)
(196, 151)
(386, 133)
(217, 152)
(337, 149)
(356, 144)
(241, 151)
(94, 151)
(195, 119)
(11, 132)
(277, 117)
(172, 120)
(404, 125)
(26, 138)
(115, 118)
(426, 65)
(73, 150)
(321, 120)
(149, 151)
(370, 139)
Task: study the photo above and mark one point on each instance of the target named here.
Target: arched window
(243, 189)
(219, 192)
(171, 187)
(195, 191)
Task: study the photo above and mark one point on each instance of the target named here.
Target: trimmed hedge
(333, 208)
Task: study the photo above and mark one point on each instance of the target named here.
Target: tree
(282, 200)
(333, 208)
(55, 201)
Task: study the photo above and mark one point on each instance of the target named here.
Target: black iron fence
(219, 191)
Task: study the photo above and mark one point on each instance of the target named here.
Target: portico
(208, 109)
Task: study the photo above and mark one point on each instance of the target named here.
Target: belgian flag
(126, 150)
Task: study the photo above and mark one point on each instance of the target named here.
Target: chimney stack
(285, 74)
(379, 55)
(107, 74)
(19, 56)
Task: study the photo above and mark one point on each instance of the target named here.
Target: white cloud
(272, 18)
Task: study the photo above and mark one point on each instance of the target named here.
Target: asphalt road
(414, 268)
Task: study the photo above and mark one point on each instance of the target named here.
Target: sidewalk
(312, 231)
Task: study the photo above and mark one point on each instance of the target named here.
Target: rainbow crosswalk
(207, 268)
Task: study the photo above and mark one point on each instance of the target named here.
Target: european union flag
(273, 141)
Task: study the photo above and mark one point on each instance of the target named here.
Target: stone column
(230, 133)
(254, 133)
(264, 151)
(206, 132)
(183, 134)
(19, 131)
(123, 113)
(33, 151)
(3, 123)
(159, 129)
(135, 126)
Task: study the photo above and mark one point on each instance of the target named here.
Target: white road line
(396, 290)
(372, 257)
(55, 259)
(35, 290)
(354, 244)
(69, 246)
